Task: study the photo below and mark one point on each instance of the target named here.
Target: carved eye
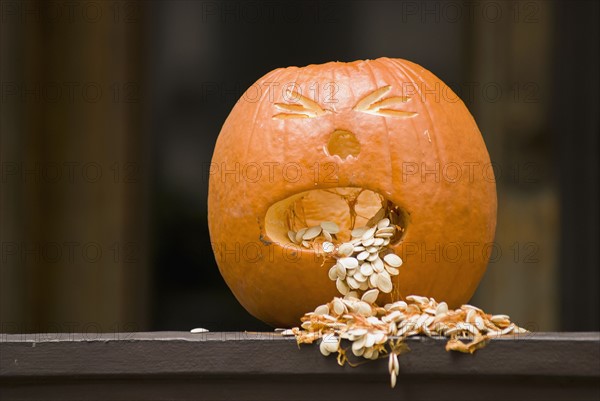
(372, 104)
(304, 108)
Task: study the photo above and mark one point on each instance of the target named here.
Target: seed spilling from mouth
(360, 265)
(363, 265)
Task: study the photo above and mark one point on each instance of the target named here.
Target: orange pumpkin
(335, 142)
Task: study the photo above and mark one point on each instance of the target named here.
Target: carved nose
(343, 143)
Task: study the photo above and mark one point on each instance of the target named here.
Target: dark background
(110, 111)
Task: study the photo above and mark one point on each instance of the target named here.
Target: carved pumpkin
(335, 142)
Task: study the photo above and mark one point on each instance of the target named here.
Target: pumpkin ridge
(387, 131)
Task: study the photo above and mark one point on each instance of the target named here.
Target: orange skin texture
(447, 215)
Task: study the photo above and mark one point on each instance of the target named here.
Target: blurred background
(110, 112)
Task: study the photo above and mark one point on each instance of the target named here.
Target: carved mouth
(348, 207)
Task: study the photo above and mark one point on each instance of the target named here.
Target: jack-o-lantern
(343, 142)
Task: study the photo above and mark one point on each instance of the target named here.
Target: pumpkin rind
(257, 156)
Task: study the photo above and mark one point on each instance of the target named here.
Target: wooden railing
(266, 366)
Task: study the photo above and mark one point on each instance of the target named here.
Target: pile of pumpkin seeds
(374, 331)
(364, 266)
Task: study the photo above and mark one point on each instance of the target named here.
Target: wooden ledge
(72, 365)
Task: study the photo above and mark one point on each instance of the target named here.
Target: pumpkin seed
(384, 283)
(341, 286)
(328, 247)
(300, 234)
(385, 230)
(358, 276)
(359, 343)
(370, 296)
(508, 329)
(373, 249)
(329, 344)
(400, 305)
(352, 294)
(366, 269)
(386, 274)
(333, 272)
(311, 233)
(383, 223)
(378, 241)
(380, 337)
(358, 332)
(467, 306)
(391, 317)
(374, 280)
(479, 323)
(368, 234)
(470, 316)
(368, 242)
(358, 352)
(421, 320)
(292, 236)
(378, 265)
(417, 299)
(327, 236)
(499, 318)
(330, 227)
(393, 260)
(363, 255)
(384, 235)
(392, 270)
(348, 262)
(322, 310)
(341, 270)
(345, 249)
(430, 311)
(339, 307)
(358, 232)
(352, 283)
(372, 257)
(363, 308)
